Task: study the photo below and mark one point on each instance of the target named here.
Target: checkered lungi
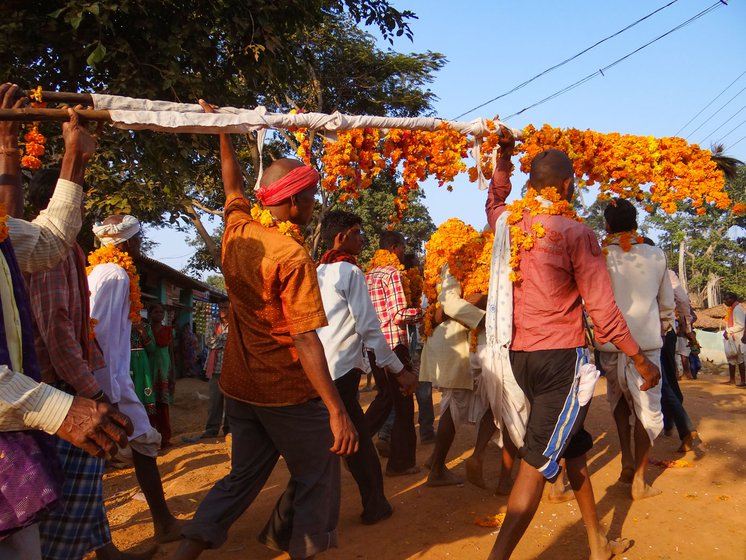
(78, 524)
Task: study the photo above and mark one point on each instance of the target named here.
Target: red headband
(299, 179)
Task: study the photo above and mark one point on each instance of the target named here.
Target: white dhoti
(623, 381)
(509, 405)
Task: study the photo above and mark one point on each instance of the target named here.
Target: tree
(711, 246)
(229, 52)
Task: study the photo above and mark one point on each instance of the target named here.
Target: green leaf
(94, 9)
(55, 14)
(97, 55)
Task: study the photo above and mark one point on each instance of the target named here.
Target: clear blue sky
(493, 46)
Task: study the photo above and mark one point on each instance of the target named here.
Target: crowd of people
(84, 376)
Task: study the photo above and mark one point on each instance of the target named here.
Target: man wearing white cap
(112, 309)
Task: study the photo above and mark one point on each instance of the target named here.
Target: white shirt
(739, 318)
(683, 305)
(352, 321)
(110, 307)
(643, 293)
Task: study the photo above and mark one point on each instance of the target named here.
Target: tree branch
(197, 204)
(203, 233)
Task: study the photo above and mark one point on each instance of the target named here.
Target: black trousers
(403, 443)
(364, 465)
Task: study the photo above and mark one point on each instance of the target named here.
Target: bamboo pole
(34, 114)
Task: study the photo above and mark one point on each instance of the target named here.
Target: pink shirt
(565, 270)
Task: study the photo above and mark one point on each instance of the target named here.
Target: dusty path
(701, 513)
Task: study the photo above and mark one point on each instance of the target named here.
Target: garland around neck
(383, 258)
(3, 223)
(624, 239)
(111, 254)
(548, 202)
(285, 227)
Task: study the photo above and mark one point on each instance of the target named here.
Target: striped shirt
(387, 294)
(39, 245)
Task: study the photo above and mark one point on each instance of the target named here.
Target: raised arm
(500, 186)
(41, 244)
(232, 176)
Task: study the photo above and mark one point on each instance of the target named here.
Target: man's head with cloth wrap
(121, 230)
(287, 190)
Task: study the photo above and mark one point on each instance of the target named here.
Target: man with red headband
(280, 398)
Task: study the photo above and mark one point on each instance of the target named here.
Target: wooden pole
(33, 114)
(62, 97)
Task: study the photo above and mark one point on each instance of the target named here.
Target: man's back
(274, 294)
(642, 291)
(564, 270)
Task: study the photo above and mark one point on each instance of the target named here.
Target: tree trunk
(682, 265)
(713, 290)
(204, 234)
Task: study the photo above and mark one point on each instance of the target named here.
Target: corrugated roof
(178, 278)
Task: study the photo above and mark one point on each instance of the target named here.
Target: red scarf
(335, 255)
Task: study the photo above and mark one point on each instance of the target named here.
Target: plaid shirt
(387, 295)
(59, 302)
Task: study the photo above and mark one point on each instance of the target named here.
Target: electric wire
(708, 119)
(710, 103)
(617, 61)
(551, 68)
(732, 130)
(723, 124)
(737, 142)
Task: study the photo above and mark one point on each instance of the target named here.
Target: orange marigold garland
(414, 277)
(449, 237)
(265, 217)
(548, 202)
(3, 223)
(35, 140)
(624, 239)
(470, 265)
(111, 254)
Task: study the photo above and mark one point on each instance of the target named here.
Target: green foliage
(230, 52)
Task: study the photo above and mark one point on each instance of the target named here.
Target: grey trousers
(215, 409)
(304, 521)
(22, 545)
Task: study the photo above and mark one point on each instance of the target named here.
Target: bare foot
(557, 494)
(474, 472)
(729, 382)
(687, 444)
(171, 533)
(610, 548)
(429, 463)
(642, 490)
(445, 478)
(627, 475)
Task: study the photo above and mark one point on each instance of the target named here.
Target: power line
(710, 103)
(551, 68)
(737, 142)
(732, 130)
(723, 124)
(600, 72)
(708, 119)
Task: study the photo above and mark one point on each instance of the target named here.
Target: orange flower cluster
(92, 328)
(623, 165)
(34, 147)
(423, 154)
(549, 202)
(414, 277)
(111, 254)
(351, 163)
(738, 209)
(266, 218)
(448, 238)
(3, 223)
(470, 265)
(623, 239)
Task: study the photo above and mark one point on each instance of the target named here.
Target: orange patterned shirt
(274, 294)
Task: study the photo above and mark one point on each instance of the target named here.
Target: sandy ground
(700, 514)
